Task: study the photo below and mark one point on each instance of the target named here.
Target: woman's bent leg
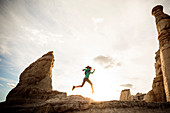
(81, 84)
(91, 85)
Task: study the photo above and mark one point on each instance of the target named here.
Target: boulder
(125, 95)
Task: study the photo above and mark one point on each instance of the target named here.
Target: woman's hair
(89, 67)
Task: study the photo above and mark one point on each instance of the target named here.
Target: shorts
(86, 79)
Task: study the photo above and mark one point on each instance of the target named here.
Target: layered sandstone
(35, 81)
(163, 28)
(33, 95)
(79, 104)
(125, 95)
(157, 94)
(138, 97)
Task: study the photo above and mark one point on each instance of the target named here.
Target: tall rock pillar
(163, 28)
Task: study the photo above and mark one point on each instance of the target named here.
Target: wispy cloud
(106, 61)
(11, 85)
(31, 28)
(127, 85)
(7, 80)
(1, 85)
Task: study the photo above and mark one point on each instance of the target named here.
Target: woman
(86, 78)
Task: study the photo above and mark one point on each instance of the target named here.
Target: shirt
(88, 72)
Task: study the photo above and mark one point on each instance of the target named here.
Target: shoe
(73, 88)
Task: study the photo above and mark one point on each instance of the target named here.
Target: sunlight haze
(118, 38)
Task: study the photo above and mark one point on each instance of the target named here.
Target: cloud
(4, 49)
(119, 64)
(98, 20)
(1, 85)
(11, 85)
(106, 61)
(127, 85)
(7, 80)
(0, 59)
(31, 28)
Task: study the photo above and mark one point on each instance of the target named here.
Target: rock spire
(35, 79)
(163, 28)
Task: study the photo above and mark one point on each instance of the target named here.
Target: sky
(118, 38)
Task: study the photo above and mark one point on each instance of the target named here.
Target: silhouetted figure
(86, 78)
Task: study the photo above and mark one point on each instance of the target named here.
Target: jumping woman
(86, 78)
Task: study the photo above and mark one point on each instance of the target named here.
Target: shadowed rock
(161, 84)
(34, 94)
(35, 82)
(125, 95)
(157, 94)
(163, 28)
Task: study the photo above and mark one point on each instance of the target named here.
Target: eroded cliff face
(125, 95)
(163, 28)
(157, 94)
(161, 84)
(79, 104)
(36, 79)
(34, 94)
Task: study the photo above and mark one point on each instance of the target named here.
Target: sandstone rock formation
(34, 94)
(125, 95)
(79, 104)
(138, 97)
(35, 81)
(161, 83)
(157, 94)
(163, 28)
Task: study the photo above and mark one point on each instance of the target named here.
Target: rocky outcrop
(34, 94)
(157, 94)
(158, 84)
(150, 96)
(35, 81)
(163, 27)
(125, 95)
(138, 97)
(161, 84)
(79, 104)
(158, 89)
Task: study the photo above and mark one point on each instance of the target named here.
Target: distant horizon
(117, 38)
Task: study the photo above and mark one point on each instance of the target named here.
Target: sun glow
(105, 88)
(101, 93)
